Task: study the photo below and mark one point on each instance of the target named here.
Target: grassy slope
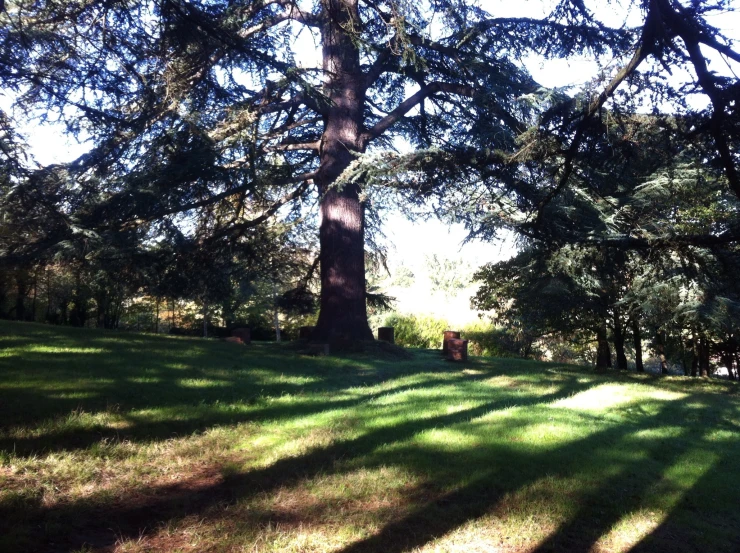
(119, 442)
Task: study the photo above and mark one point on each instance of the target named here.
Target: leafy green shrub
(417, 331)
(483, 339)
(488, 340)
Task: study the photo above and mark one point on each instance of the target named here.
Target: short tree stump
(457, 350)
(449, 335)
(386, 334)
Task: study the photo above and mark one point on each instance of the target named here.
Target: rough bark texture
(343, 311)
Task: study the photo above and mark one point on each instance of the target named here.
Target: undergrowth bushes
(425, 331)
(417, 331)
(488, 340)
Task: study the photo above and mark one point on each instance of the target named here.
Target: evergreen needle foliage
(206, 120)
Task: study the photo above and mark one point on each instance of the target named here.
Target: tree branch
(692, 37)
(411, 102)
(634, 243)
(299, 15)
(296, 101)
(293, 146)
(306, 178)
(269, 212)
(644, 49)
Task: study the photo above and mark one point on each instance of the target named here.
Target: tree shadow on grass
(42, 393)
(158, 388)
(720, 531)
(103, 526)
(198, 416)
(625, 490)
(625, 464)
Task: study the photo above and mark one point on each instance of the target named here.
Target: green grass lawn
(133, 443)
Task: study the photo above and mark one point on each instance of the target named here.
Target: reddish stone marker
(457, 350)
(234, 340)
(305, 332)
(386, 334)
(243, 334)
(449, 335)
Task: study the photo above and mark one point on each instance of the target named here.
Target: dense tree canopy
(663, 271)
(208, 119)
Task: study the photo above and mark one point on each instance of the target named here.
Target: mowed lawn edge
(131, 442)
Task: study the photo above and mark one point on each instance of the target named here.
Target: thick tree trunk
(727, 360)
(704, 357)
(619, 337)
(343, 311)
(603, 353)
(637, 338)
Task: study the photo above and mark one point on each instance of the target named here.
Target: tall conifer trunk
(619, 339)
(343, 311)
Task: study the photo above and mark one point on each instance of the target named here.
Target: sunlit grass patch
(54, 349)
(632, 528)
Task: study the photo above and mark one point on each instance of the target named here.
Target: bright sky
(411, 242)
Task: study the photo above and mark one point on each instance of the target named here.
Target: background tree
(195, 107)
(641, 244)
